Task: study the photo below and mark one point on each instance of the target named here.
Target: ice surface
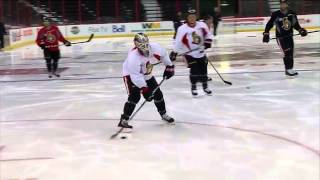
(265, 126)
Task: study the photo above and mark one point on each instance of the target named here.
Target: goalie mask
(141, 41)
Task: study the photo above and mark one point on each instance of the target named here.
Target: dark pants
(52, 60)
(287, 45)
(198, 70)
(1, 41)
(134, 96)
(215, 28)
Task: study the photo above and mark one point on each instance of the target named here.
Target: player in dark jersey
(285, 20)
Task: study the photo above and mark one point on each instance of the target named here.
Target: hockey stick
(285, 36)
(132, 116)
(292, 35)
(182, 54)
(227, 82)
(90, 38)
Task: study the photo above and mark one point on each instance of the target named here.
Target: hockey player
(285, 20)
(194, 36)
(48, 40)
(138, 78)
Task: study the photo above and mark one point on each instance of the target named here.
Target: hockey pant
(198, 70)
(52, 60)
(286, 45)
(134, 96)
(1, 41)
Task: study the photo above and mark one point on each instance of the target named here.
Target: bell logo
(151, 25)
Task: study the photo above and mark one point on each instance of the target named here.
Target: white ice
(265, 126)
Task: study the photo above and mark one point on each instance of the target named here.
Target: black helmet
(192, 11)
(284, 1)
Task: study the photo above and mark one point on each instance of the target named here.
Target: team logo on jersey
(196, 39)
(286, 24)
(149, 68)
(51, 38)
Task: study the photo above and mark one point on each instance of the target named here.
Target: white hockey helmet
(141, 41)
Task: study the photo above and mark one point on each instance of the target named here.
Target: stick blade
(90, 38)
(113, 136)
(227, 82)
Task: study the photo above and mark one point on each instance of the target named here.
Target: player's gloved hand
(207, 43)
(303, 32)
(266, 37)
(42, 46)
(67, 43)
(168, 72)
(147, 94)
(173, 56)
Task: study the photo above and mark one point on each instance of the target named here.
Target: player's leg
(48, 59)
(193, 65)
(133, 98)
(1, 42)
(159, 100)
(289, 58)
(55, 56)
(204, 74)
(215, 28)
(208, 78)
(286, 45)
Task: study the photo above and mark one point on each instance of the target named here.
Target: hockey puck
(123, 137)
(247, 87)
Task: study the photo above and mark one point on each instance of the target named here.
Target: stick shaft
(293, 35)
(227, 82)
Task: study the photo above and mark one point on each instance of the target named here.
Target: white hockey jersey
(139, 67)
(189, 38)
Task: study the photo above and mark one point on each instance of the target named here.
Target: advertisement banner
(151, 27)
(28, 35)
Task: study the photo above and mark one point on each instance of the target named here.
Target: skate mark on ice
(274, 136)
(157, 76)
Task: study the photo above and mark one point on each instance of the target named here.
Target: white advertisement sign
(25, 35)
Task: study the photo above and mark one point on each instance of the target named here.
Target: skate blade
(171, 124)
(126, 130)
(290, 77)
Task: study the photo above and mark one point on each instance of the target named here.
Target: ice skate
(194, 91)
(49, 75)
(207, 91)
(124, 123)
(167, 118)
(291, 72)
(56, 74)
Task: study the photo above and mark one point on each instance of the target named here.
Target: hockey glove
(168, 72)
(207, 43)
(67, 43)
(147, 94)
(266, 37)
(42, 46)
(303, 32)
(173, 56)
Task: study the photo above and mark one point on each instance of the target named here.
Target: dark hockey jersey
(284, 23)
